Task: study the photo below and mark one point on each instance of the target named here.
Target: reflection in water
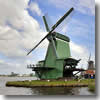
(52, 90)
(61, 91)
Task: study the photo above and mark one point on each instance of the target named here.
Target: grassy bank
(91, 87)
(44, 83)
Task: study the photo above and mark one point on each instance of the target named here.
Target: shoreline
(56, 83)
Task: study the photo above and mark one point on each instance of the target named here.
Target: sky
(22, 27)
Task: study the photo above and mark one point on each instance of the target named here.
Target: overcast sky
(22, 26)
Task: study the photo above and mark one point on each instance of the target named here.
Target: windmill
(90, 63)
(90, 72)
(58, 62)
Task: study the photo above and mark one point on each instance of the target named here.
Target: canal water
(40, 90)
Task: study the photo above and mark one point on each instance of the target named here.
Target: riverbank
(52, 83)
(68, 91)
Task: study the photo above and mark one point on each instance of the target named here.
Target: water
(40, 90)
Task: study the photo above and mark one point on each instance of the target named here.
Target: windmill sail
(46, 24)
(53, 28)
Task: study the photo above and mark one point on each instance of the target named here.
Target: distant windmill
(90, 63)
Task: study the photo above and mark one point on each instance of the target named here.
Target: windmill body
(58, 62)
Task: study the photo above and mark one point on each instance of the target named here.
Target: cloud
(22, 32)
(8, 67)
(80, 52)
(16, 24)
(90, 4)
(1, 61)
(76, 48)
(35, 8)
(84, 6)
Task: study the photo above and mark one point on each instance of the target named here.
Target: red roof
(89, 72)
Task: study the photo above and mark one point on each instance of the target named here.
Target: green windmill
(58, 62)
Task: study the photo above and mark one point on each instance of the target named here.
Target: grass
(42, 83)
(91, 87)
